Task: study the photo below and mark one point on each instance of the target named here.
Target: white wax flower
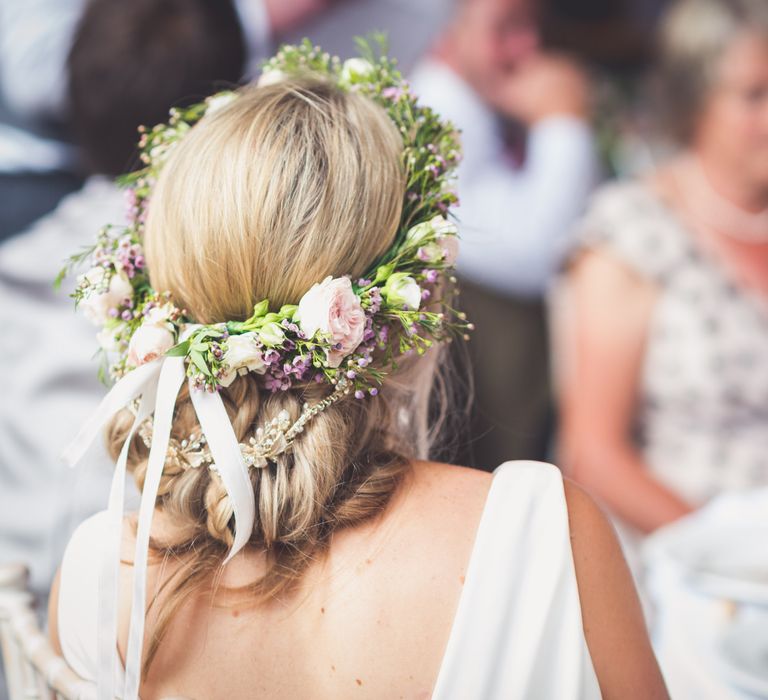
(96, 305)
(402, 290)
(333, 309)
(356, 70)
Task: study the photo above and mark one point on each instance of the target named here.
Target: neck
(732, 185)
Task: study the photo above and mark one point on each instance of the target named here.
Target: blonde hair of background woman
(286, 185)
(694, 36)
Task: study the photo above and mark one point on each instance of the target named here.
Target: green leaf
(199, 361)
(60, 278)
(179, 350)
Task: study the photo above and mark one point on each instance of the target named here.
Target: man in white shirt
(487, 73)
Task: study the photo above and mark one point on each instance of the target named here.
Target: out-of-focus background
(614, 223)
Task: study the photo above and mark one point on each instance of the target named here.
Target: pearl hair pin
(268, 442)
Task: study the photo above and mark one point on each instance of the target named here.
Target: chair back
(33, 669)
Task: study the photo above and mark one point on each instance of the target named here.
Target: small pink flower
(333, 309)
(450, 246)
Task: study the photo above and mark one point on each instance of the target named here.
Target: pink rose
(333, 309)
(149, 342)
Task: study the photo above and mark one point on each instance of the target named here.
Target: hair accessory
(269, 442)
(400, 305)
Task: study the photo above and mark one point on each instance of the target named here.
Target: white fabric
(517, 633)
(171, 378)
(515, 223)
(695, 566)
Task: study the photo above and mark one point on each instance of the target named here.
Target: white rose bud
(243, 354)
(402, 290)
(217, 102)
(430, 253)
(356, 70)
(149, 342)
(270, 77)
(420, 232)
(442, 227)
(271, 334)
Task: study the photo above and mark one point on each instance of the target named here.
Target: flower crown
(399, 306)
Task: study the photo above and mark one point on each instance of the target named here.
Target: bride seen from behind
(368, 570)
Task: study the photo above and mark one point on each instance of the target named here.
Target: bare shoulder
(590, 527)
(451, 485)
(614, 626)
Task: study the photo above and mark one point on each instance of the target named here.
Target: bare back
(372, 619)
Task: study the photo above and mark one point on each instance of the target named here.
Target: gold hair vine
(268, 442)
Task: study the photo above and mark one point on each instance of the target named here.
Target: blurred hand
(542, 86)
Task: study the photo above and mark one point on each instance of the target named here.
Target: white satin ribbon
(131, 386)
(171, 377)
(229, 462)
(109, 591)
(157, 383)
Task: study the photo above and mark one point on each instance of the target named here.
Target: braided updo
(286, 185)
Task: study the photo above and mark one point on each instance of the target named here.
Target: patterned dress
(701, 422)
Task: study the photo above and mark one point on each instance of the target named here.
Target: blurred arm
(516, 222)
(602, 342)
(611, 614)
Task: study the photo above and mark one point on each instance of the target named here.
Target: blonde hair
(286, 185)
(694, 36)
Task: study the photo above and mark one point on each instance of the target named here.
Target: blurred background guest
(664, 348)
(529, 165)
(128, 64)
(39, 162)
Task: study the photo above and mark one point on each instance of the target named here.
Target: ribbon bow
(156, 385)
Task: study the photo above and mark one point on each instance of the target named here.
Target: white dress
(518, 630)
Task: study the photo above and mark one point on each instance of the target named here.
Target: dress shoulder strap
(518, 630)
(78, 596)
(631, 222)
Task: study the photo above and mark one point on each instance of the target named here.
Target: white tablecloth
(707, 577)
